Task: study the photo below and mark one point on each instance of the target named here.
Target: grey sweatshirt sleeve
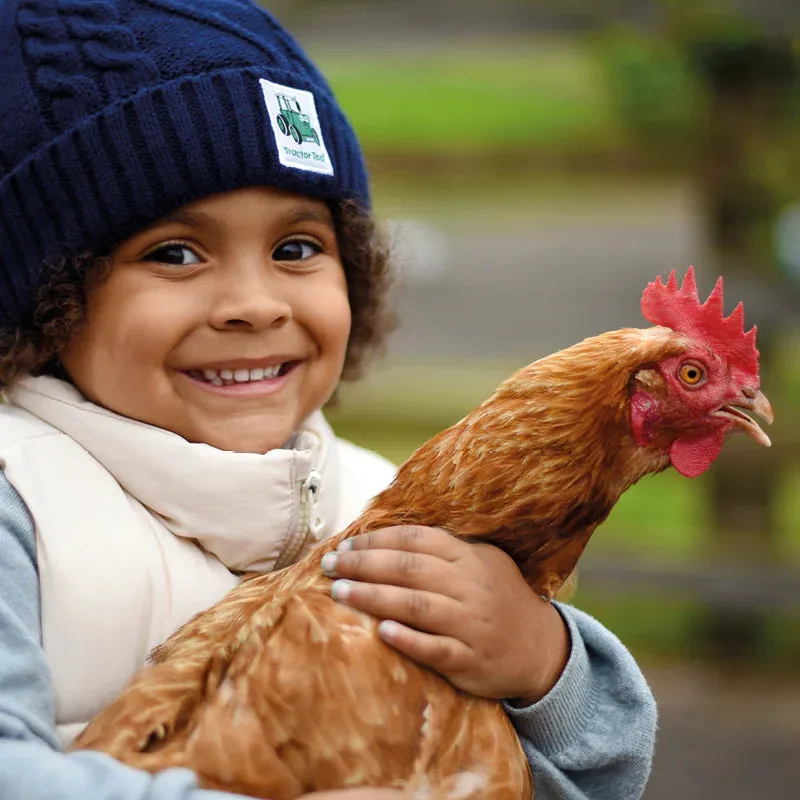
(592, 736)
(32, 766)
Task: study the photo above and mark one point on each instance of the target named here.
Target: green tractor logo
(292, 122)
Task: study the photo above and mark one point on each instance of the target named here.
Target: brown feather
(278, 690)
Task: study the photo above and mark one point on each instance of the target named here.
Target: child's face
(245, 283)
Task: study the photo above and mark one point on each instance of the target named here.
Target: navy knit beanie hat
(115, 112)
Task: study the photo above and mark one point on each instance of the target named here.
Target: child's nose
(250, 299)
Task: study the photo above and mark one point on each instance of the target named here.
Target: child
(187, 269)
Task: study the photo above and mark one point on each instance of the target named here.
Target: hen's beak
(757, 404)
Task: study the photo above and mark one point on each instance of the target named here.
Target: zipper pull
(311, 487)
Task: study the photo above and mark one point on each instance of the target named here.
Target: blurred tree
(716, 90)
(746, 150)
(715, 87)
(745, 160)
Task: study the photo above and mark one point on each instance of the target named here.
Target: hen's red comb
(681, 310)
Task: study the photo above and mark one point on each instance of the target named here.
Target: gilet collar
(254, 512)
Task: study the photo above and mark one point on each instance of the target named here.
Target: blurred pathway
(536, 280)
(725, 738)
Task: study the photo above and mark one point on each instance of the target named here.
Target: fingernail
(387, 629)
(345, 546)
(341, 590)
(328, 563)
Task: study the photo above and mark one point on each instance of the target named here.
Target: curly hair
(33, 347)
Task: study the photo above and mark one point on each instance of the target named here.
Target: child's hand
(462, 609)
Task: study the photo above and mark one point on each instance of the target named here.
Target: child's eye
(296, 250)
(178, 255)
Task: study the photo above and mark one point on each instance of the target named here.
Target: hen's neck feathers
(536, 467)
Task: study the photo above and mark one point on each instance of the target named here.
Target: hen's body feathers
(279, 690)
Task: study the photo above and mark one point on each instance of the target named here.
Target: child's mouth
(234, 377)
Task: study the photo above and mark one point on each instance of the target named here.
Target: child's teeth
(227, 377)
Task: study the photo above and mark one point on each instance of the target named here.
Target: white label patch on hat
(298, 135)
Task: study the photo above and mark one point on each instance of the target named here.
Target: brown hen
(278, 690)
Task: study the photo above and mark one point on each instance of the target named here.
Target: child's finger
(414, 538)
(368, 793)
(446, 655)
(425, 611)
(397, 568)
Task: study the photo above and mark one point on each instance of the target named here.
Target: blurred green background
(536, 164)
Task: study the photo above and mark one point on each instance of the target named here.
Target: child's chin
(246, 443)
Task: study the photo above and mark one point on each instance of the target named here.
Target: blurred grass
(613, 92)
(787, 515)
(660, 627)
(476, 97)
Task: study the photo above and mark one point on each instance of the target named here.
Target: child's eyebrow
(199, 219)
(192, 219)
(301, 214)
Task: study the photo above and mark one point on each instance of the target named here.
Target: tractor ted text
(303, 154)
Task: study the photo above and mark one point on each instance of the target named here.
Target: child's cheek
(120, 354)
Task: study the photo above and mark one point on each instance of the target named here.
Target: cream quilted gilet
(137, 529)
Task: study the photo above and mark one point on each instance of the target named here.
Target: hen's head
(688, 401)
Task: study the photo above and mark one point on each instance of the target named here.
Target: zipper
(311, 518)
(310, 524)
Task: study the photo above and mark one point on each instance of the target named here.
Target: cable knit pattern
(108, 46)
(54, 63)
(62, 38)
(124, 110)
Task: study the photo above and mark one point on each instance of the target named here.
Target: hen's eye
(178, 255)
(296, 250)
(691, 374)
